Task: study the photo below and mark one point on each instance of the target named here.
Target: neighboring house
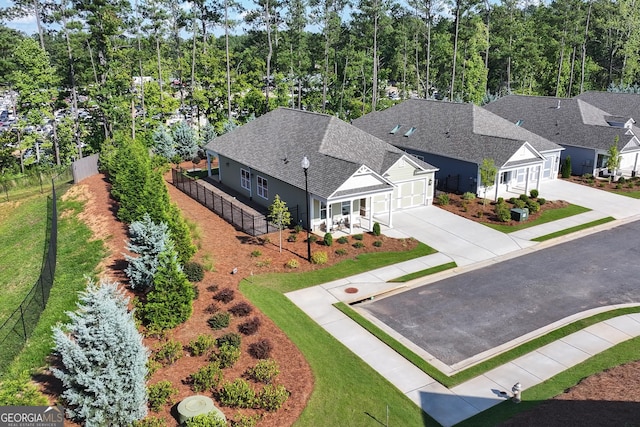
(585, 131)
(456, 138)
(623, 105)
(354, 179)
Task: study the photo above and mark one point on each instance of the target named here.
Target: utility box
(519, 214)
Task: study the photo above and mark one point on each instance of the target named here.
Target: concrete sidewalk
(471, 246)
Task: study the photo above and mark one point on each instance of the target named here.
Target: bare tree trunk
(269, 53)
(455, 51)
(327, 46)
(564, 34)
(74, 90)
(159, 68)
(573, 61)
(374, 88)
(584, 49)
(226, 48)
(193, 70)
(36, 5)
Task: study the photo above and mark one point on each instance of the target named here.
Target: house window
(245, 179)
(323, 210)
(346, 208)
(263, 188)
(504, 177)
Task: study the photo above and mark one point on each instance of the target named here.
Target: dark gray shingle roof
(561, 120)
(461, 131)
(617, 104)
(276, 142)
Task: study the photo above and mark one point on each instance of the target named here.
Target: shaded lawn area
(574, 229)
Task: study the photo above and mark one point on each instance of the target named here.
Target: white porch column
(390, 196)
(526, 180)
(540, 172)
(208, 164)
(370, 213)
(496, 184)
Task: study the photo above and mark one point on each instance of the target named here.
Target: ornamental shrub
(264, 371)
(358, 245)
(519, 203)
(319, 258)
(202, 344)
(227, 355)
(242, 309)
(565, 170)
(212, 308)
(225, 295)
(150, 422)
(160, 394)
(212, 419)
(230, 338)
(533, 206)
(443, 199)
(21, 392)
(469, 196)
(376, 229)
(194, 271)
(328, 239)
(313, 238)
(297, 228)
(272, 397)
(534, 193)
(249, 327)
(292, 263)
(237, 394)
(169, 352)
(358, 236)
(503, 212)
(341, 251)
(219, 320)
(524, 198)
(242, 420)
(542, 201)
(377, 243)
(206, 378)
(343, 240)
(292, 237)
(101, 354)
(260, 349)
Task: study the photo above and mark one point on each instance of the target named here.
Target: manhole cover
(351, 290)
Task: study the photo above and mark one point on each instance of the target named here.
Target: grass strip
(347, 391)
(620, 354)
(574, 229)
(287, 282)
(545, 216)
(423, 273)
(487, 365)
(77, 257)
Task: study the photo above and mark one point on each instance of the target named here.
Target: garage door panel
(410, 194)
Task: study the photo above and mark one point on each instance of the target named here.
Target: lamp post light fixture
(305, 167)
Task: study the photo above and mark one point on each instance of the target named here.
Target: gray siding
(582, 159)
(293, 196)
(449, 167)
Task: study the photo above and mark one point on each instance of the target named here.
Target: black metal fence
(33, 182)
(222, 204)
(19, 326)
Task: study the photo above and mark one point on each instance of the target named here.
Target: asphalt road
(462, 316)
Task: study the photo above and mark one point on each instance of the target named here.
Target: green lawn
(546, 216)
(632, 194)
(574, 229)
(22, 233)
(77, 258)
(423, 273)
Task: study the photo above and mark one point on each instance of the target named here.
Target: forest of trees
(332, 56)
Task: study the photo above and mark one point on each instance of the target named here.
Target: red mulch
(228, 249)
(608, 398)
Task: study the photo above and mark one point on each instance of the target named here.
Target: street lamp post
(305, 167)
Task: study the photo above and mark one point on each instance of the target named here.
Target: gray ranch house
(623, 105)
(585, 131)
(354, 178)
(456, 138)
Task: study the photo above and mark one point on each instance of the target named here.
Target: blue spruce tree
(148, 240)
(185, 140)
(104, 362)
(163, 143)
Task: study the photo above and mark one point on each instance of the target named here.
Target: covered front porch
(518, 178)
(352, 213)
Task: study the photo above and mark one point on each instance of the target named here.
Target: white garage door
(409, 194)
